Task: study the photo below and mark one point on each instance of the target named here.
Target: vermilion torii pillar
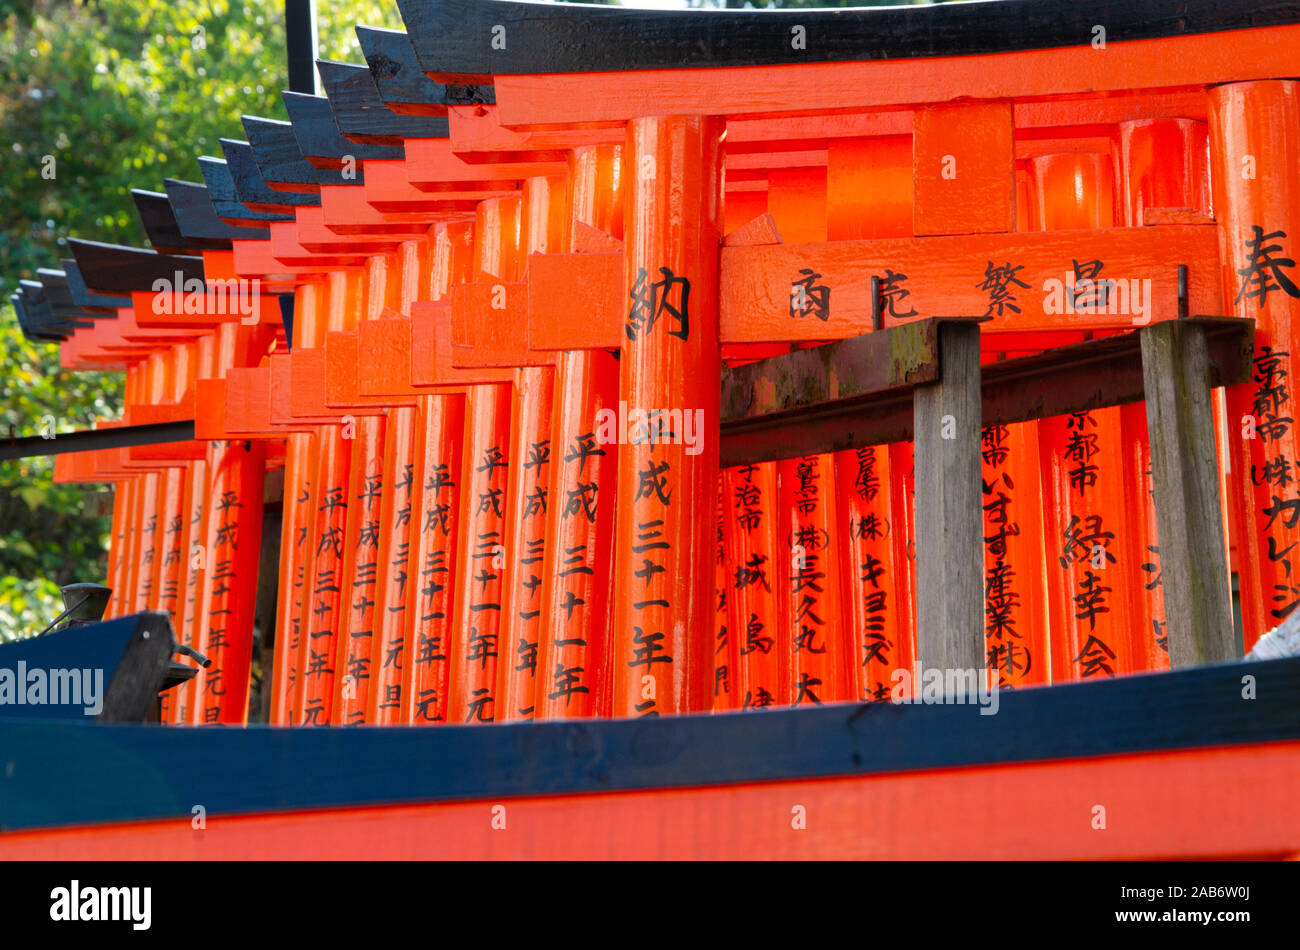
(671, 367)
(1254, 161)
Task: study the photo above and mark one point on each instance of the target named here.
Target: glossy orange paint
(576, 678)
(796, 200)
(1017, 557)
(477, 592)
(529, 495)
(299, 470)
(1254, 153)
(949, 275)
(755, 577)
(577, 605)
(902, 507)
(670, 361)
(231, 544)
(1154, 66)
(1163, 163)
(359, 572)
(808, 564)
(435, 558)
(873, 591)
(322, 617)
(723, 647)
(963, 166)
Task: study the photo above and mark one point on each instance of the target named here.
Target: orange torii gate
(622, 364)
(522, 276)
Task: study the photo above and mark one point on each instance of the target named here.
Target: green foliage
(122, 94)
(27, 607)
(44, 530)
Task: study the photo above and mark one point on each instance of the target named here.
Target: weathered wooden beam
(1099, 373)
(196, 217)
(251, 188)
(403, 86)
(319, 138)
(160, 225)
(59, 295)
(476, 39)
(1189, 522)
(93, 440)
(361, 115)
(783, 407)
(841, 395)
(117, 269)
(92, 304)
(35, 319)
(280, 161)
(225, 200)
(949, 507)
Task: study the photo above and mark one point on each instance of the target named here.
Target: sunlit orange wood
(1254, 153)
(527, 102)
(670, 361)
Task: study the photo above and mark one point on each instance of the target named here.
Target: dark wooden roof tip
(198, 221)
(35, 320)
(281, 162)
(251, 188)
(59, 295)
(86, 299)
(319, 138)
(361, 115)
(112, 268)
(471, 40)
(278, 159)
(403, 86)
(160, 225)
(221, 189)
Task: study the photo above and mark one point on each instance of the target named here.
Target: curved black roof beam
(59, 295)
(40, 316)
(33, 294)
(36, 323)
(403, 86)
(362, 116)
(160, 225)
(251, 188)
(197, 218)
(96, 305)
(225, 200)
(472, 40)
(280, 161)
(113, 268)
(319, 138)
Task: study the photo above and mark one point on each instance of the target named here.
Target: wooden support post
(435, 559)
(670, 363)
(574, 649)
(477, 583)
(1180, 423)
(949, 539)
(528, 490)
(232, 540)
(1254, 141)
(299, 469)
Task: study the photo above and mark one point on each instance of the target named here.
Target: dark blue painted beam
(159, 772)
